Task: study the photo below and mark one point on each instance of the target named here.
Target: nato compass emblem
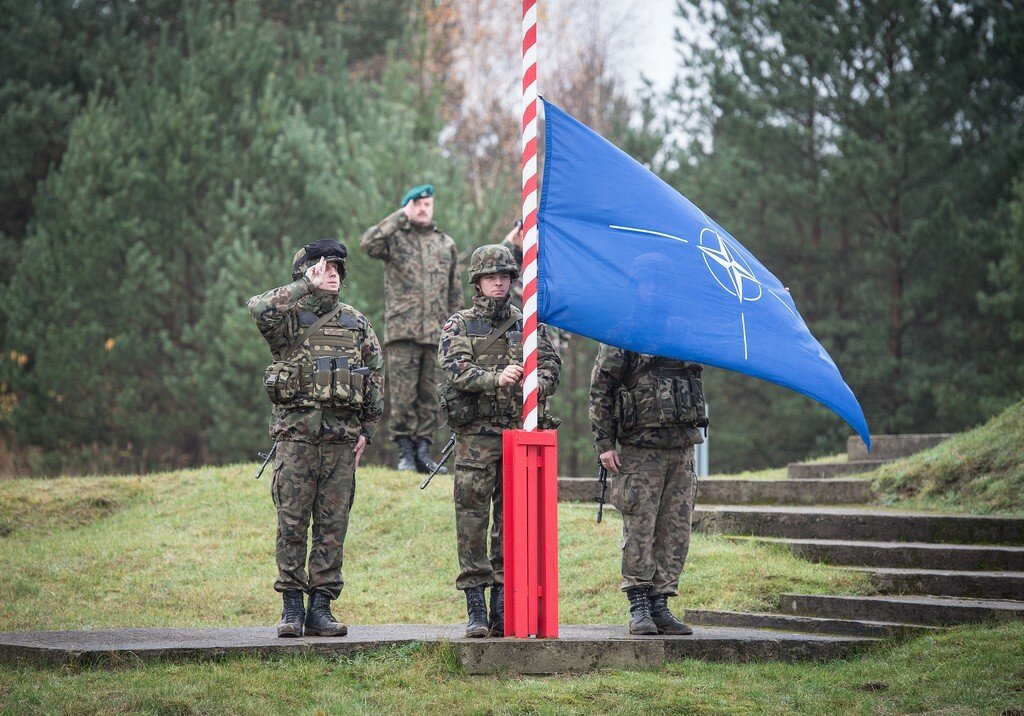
(725, 263)
(728, 267)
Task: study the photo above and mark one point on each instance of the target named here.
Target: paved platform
(578, 648)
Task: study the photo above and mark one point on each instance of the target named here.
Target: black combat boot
(640, 621)
(496, 621)
(424, 463)
(292, 615)
(406, 454)
(665, 620)
(476, 609)
(319, 620)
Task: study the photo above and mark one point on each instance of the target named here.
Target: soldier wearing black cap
(421, 289)
(327, 387)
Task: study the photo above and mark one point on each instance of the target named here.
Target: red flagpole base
(530, 487)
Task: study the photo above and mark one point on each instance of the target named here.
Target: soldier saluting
(421, 289)
(653, 407)
(481, 394)
(327, 385)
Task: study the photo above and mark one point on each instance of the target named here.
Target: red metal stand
(530, 485)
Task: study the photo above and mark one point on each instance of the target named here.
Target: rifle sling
(502, 329)
(287, 355)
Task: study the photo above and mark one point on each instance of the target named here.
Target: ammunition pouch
(283, 381)
(664, 400)
(329, 381)
(459, 408)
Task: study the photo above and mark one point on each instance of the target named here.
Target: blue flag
(627, 260)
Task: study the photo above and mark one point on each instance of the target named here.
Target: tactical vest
(325, 370)
(662, 393)
(506, 404)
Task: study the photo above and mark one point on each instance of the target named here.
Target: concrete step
(936, 611)
(815, 625)
(746, 492)
(892, 447)
(829, 470)
(583, 649)
(948, 583)
(580, 489)
(784, 492)
(578, 648)
(857, 523)
(920, 555)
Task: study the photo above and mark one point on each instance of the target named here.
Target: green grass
(976, 670)
(980, 471)
(196, 548)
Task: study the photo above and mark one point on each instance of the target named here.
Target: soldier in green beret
(421, 289)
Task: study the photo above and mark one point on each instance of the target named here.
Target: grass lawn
(980, 471)
(195, 548)
(977, 670)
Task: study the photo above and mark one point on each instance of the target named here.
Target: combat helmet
(492, 258)
(330, 249)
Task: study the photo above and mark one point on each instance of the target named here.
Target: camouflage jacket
(274, 313)
(614, 368)
(421, 277)
(455, 356)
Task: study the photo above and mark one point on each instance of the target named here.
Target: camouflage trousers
(318, 482)
(412, 390)
(478, 506)
(654, 492)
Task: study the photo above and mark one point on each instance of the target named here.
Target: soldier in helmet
(481, 394)
(327, 387)
(653, 407)
(422, 287)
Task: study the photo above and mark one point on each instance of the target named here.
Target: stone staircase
(885, 449)
(930, 570)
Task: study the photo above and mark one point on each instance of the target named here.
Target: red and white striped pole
(530, 214)
(530, 456)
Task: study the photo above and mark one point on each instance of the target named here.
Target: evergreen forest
(164, 160)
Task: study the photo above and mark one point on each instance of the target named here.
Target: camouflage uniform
(421, 288)
(478, 446)
(314, 473)
(657, 430)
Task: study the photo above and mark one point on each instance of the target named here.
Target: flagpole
(529, 184)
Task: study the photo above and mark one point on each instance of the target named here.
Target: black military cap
(330, 249)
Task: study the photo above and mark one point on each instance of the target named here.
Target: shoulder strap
(502, 329)
(287, 355)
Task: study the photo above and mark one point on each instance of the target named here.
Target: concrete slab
(892, 447)
(579, 648)
(937, 611)
(826, 470)
(950, 583)
(853, 523)
(586, 648)
(795, 623)
(119, 645)
(920, 555)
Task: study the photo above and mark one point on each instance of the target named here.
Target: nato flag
(627, 260)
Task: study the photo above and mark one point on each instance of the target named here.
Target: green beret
(418, 192)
